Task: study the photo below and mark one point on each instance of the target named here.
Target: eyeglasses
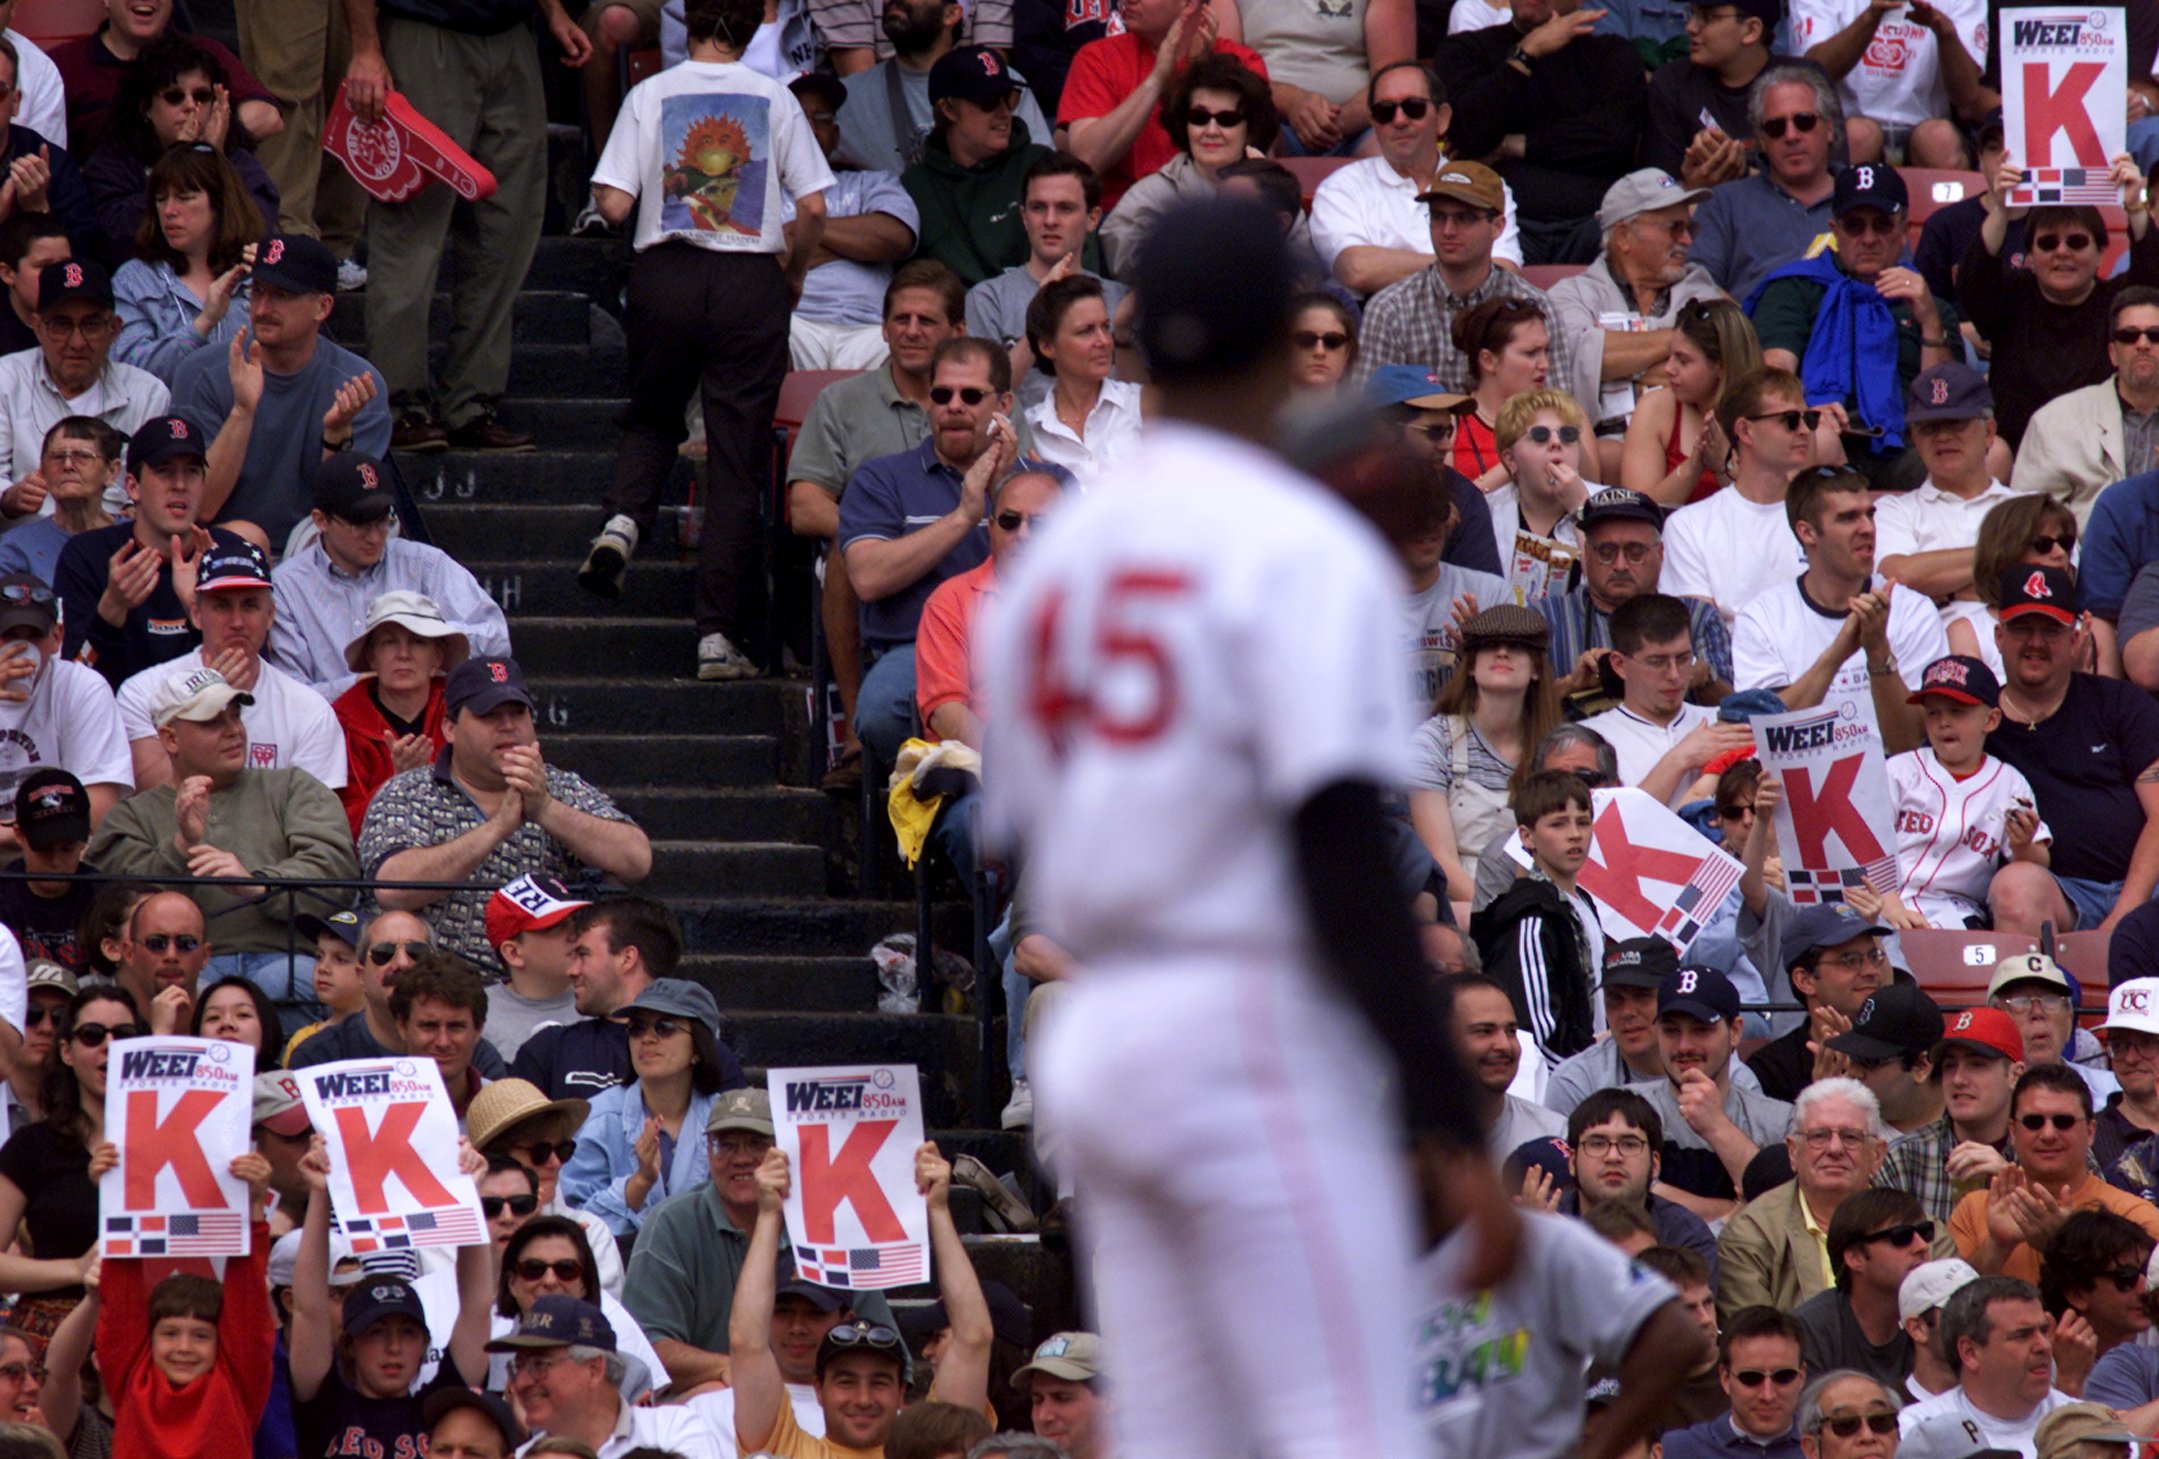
(2128, 334)
(1756, 1377)
(1883, 225)
(1460, 217)
(1013, 521)
(1334, 339)
(523, 1366)
(1664, 663)
(666, 1028)
(1542, 435)
(2046, 542)
(531, 1268)
(542, 1150)
(1199, 116)
(1820, 1139)
(1673, 226)
(1901, 1235)
(968, 394)
(1791, 419)
(16, 1372)
(1709, 14)
(91, 1035)
(158, 942)
(493, 1206)
(387, 522)
(2072, 242)
(1438, 430)
(72, 458)
(1844, 1425)
(1852, 962)
(2124, 1278)
(88, 327)
(727, 1146)
(1413, 107)
(2030, 1003)
(381, 953)
(2062, 1123)
(176, 95)
(1606, 1144)
(1803, 122)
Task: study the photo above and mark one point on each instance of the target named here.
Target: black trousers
(714, 324)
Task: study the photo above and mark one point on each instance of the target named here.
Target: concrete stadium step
(712, 765)
(689, 810)
(808, 984)
(783, 928)
(734, 869)
(567, 422)
(655, 586)
(563, 474)
(617, 705)
(565, 645)
(535, 530)
(542, 316)
(594, 266)
(939, 1045)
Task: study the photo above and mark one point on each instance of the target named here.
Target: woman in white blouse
(1088, 421)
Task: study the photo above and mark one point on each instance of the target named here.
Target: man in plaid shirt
(1412, 322)
(1978, 1061)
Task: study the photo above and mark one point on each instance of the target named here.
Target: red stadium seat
(1955, 967)
(637, 65)
(1310, 172)
(798, 392)
(2083, 956)
(1933, 189)
(1544, 275)
(50, 22)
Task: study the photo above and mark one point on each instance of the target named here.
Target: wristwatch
(1886, 666)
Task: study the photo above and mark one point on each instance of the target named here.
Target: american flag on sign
(447, 1226)
(1698, 900)
(2070, 185)
(205, 1233)
(865, 1267)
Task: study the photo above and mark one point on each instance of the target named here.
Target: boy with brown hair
(1542, 937)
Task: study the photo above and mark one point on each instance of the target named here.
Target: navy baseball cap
(344, 926)
(1960, 677)
(558, 1322)
(1831, 924)
(295, 263)
(1214, 281)
(445, 1401)
(27, 601)
(78, 278)
(161, 439)
(971, 73)
(349, 486)
(1638, 962)
(481, 685)
(235, 564)
(379, 1298)
(1620, 504)
(1898, 1020)
(1868, 185)
(51, 807)
(1547, 1153)
(1952, 390)
(2030, 589)
(1699, 991)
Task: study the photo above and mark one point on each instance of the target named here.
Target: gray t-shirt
(869, 136)
(1500, 1371)
(1520, 1122)
(1599, 1066)
(997, 309)
(1689, 1163)
(2140, 606)
(512, 1017)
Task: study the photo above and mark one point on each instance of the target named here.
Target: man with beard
(1486, 1036)
(1713, 1126)
(2090, 748)
(1615, 1146)
(887, 114)
(2085, 440)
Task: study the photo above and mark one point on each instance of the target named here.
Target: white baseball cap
(198, 694)
(1948, 1435)
(1930, 1284)
(2134, 1006)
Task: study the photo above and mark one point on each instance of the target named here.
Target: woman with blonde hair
(1542, 437)
(1675, 451)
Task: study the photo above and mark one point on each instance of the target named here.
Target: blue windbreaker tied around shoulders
(1852, 353)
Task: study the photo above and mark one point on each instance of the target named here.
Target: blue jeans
(1293, 146)
(1017, 986)
(290, 982)
(885, 704)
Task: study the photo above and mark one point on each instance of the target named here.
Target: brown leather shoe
(415, 432)
(486, 433)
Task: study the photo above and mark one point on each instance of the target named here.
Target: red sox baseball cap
(350, 487)
(481, 685)
(1960, 677)
(1701, 992)
(160, 439)
(76, 279)
(2030, 589)
(971, 73)
(1952, 390)
(1989, 1030)
(296, 264)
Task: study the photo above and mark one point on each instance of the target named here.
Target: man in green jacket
(974, 165)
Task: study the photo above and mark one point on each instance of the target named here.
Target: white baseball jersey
(1187, 659)
(1950, 832)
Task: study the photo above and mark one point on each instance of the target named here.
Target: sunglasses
(863, 1334)
(35, 1016)
(1756, 1377)
(1802, 122)
(381, 953)
(493, 1206)
(1901, 1235)
(2124, 1278)
(1334, 339)
(2127, 335)
(91, 1035)
(1199, 116)
(531, 1268)
(1882, 225)
(1792, 418)
(1013, 521)
(175, 95)
(158, 942)
(1844, 1425)
(2036, 1123)
(968, 394)
(29, 592)
(540, 1150)
(1542, 435)
(2046, 542)
(666, 1028)
(2074, 242)
(1733, 812)
(1442, 430)
(1413, 107)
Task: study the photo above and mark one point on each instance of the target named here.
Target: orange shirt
(943, 640)
(1968, 1222)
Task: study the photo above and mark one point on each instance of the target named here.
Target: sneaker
(609, 558)
(719, 659)
(414, 431)
(591, 224)
(486, 433)
(1020, 1108)
(351, 275)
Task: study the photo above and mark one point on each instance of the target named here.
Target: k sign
(850, 1135)
(1653, 875)
(2065, 102)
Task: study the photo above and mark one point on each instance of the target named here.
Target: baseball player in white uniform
(1960, 813)
(1202, 668)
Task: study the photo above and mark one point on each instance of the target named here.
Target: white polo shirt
(1640, 743)
(1369, 204)
(1112, 432)
(673, 1428)
(1928, 519)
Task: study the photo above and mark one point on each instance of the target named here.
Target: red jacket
(367, 744)
(153, 1419)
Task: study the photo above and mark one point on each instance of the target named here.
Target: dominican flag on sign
(2075, 186)
(861, 1266)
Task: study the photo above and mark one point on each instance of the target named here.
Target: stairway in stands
(717, 774)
